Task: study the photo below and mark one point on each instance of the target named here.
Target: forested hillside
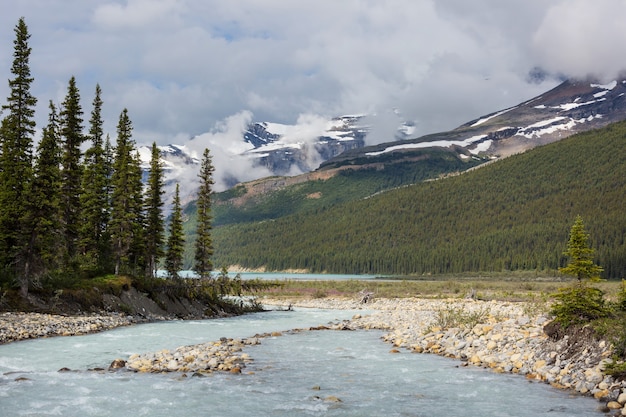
(276, 197)
(510, 215)
(240, 205)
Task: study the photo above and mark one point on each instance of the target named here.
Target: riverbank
(22, 326)
(503, 336)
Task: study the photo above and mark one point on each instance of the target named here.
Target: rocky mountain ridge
(287, 150)
(571, 107)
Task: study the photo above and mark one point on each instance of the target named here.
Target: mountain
(572, 107)
(371, 187)
(281, 148)
(287, 150)
(514, 214)
(175, 158)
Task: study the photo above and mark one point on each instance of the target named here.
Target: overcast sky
(187, 67)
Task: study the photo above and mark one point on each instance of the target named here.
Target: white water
(355, 367)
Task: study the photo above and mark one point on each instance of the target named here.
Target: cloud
(136, 14)
(225, 143)
(181, 67)
(580, 38)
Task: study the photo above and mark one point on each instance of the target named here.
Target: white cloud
(579, 38)
(182, 66)
(225, 145)
(136, 14)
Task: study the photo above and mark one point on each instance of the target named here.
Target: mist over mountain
(244, 150)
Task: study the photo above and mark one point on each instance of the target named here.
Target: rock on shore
(20, 326)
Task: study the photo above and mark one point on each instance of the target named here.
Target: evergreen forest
(510, 215)
(68, 216)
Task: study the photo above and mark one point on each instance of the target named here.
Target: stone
(613, 405)
(622, 398)
(117, 364)
(603, 393)
(539, 364)
(332, 399)
(172, 365)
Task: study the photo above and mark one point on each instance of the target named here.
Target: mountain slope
(571, 107)
(510, 215)
(360, 172)
(280, 149)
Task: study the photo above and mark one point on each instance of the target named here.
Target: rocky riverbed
(503, 336)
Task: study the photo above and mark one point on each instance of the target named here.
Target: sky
(205, 68)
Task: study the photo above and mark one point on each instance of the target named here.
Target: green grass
(484, 289)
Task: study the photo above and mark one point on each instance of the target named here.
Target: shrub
(452, 316)
(579, 304)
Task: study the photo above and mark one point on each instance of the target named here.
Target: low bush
(579, 304)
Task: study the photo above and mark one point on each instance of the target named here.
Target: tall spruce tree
(72, 135)
(94, 200)
(155, 229)
(138, 246)
(122, 213)
(109, 159)
(204, 242)
(175, 240)
(44, 212)
(16, 133)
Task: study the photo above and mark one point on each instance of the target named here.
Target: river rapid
(309, 373)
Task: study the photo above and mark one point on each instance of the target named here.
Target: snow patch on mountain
(481, 121)
(466, 143)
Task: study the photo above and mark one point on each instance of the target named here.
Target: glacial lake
(310, 373)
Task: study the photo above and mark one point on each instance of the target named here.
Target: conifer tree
(122, 214)
(138, 245)
(175, 240)
(109, 158)
(204, 242)
(94, 200)
(581, 254)
(72, 135)
(16, 133)
(44, 212)
(155, 228)
(581, 302)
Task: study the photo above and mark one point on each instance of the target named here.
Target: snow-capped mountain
(284, 149)
(280, 149)
(571, 107)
